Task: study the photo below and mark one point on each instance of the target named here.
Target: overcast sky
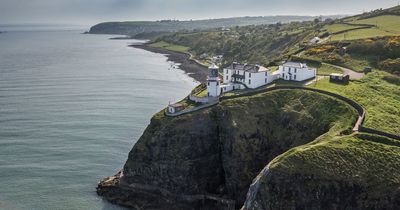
(88, 12)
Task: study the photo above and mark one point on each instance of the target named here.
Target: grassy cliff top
(367, 160)
(379, 93)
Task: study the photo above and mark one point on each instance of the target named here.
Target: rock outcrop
(208, 159)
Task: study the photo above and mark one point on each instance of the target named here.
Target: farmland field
(386, 25)
(335, 28)
(360, 34)
(169, 46)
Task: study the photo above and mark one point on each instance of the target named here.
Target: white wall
(257, 79)
(171, 109)
(227, 75)
(213, 88)
(298, 74)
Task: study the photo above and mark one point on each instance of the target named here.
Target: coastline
(189, 66)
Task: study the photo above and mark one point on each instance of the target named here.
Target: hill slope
(217, 152)
(133, 28)
(358, 172)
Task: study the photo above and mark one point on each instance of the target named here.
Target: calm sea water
(71, 108)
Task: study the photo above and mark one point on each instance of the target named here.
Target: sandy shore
(192, 68)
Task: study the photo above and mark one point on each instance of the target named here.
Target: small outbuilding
(174, 108)
(315, 40)
(367, 70)
(339, 78)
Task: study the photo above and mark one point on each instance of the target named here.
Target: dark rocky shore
(191, 67)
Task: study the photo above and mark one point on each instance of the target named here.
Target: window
(208, 83)
(290, 69)
(249, 81)
(266, 80)
(227, 77)
(249, 75)
(283, 75)
(226, 70)
(266, 73)
(295, 70)
(294, 77)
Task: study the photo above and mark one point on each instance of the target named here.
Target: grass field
(367, 160)
(380, 98)
(169, 46)
(385, 25)
(360, 34)
(326, 69)
(335, 28)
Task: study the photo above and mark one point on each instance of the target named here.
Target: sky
(89, 12)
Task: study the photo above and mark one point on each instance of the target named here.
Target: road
(353, 74)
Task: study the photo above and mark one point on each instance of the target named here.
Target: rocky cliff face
(208, 159)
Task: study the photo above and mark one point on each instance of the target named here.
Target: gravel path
(353, 74)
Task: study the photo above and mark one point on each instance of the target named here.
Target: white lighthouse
(213, 81)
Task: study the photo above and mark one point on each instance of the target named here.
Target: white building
(217, 58)
(315, 40)
(173, 108)
(213, 81)
(295, 71)
(246, 75)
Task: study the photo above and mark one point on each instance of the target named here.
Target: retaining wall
(360, 110)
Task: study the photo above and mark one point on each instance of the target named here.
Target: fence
(202, 100)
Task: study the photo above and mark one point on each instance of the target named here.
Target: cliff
(350, 172)
(208, 159)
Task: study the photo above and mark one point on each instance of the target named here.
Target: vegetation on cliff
(261, 44)
(218, 151)
(358, 172)
(378, 92)
(313, 162)
(146, 29)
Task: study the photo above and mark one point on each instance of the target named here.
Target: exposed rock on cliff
(208, 159)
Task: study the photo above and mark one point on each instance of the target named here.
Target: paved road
(353, 74)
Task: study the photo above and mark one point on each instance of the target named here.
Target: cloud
(93, 11)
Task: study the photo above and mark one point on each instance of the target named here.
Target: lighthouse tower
(213, 81)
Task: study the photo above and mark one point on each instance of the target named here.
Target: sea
(72, 106)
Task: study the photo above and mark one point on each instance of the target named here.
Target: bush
(391, 65)
(392, 79)
(334, 59)
(384, 47)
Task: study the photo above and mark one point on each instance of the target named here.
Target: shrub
(334, 58)
(392, 79)
(391, 65)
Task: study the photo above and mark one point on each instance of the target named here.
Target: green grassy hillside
(154, 28)
(348, 172)
(378, 94)
(386, 25)
(262, 44)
